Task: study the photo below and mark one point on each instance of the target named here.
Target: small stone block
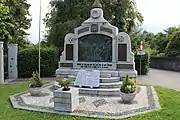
(62, 105)
(61, 109)
(66, 94)
(62, 100)
(66, 101)
(62, 95)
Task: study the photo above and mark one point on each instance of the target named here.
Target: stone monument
(97, 45)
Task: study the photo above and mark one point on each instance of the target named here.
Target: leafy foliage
(14, 22)
(173, 48)
(144, 60)
(5, 66)
(35, 80)
(19, 10)
(129, 85)
(65, 83)
(68, 14)
(160, 44)
(5, 23)
(28, 61)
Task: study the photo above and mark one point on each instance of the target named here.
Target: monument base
(109, 81)
(103, 73)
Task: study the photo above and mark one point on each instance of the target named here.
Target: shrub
(5, 66)
(28, 61)
(65, 83)
(145, 63)
(35, 81)
(129, 85)
(173, 49)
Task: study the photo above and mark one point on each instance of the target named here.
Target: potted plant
(35, 86)
(65, 83)
(128, 90)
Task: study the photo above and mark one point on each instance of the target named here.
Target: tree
(65, 15)
(161, 42)
(136, 38)
(147, 38)
(14, 21)
(173, 48)
(157, 43)
(19, 12)
(5, 23)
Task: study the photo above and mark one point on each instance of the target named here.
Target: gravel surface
(92, 106)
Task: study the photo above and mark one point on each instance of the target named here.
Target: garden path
(163, 78)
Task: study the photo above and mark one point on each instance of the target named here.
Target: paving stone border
(17, 102)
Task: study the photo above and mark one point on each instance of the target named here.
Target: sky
(158, 15)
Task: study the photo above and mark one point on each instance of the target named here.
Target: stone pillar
(114, 51)
(1, 63)
(76, 51)
(12, 61)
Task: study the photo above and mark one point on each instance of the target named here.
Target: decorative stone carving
(121, 39)
(94, 28)
(97, 4)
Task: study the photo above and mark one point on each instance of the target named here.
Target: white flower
(129, 87)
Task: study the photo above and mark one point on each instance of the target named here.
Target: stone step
(109, 80)
(105, 75)
(102, 79)
(100, 92)
(110, 85)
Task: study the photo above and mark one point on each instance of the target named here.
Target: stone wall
(166, 63)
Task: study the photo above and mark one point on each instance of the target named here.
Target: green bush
(65, 83)
(35, 80)
(129, 85)
(28, 61)
(145, 63)
(173, 49)
(5, 66)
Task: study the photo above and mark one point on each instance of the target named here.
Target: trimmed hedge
(145, 63)
(5, 66)
(28, 61)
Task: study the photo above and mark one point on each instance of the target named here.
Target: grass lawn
(169, 99)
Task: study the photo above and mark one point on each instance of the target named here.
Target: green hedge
(28, 61)
(5, 66)
(145, 63)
